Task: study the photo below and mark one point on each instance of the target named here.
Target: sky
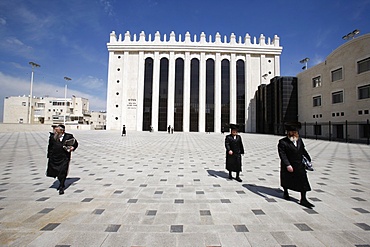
(68, 38)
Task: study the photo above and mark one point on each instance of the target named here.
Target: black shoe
(61, 191)
(286, 197)
(306, 204)
(230, 177)
(238, 179)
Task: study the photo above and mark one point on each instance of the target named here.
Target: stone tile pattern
(159, 189)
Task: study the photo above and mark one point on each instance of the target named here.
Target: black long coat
(292, 155)
(59, 158)
(234, 161)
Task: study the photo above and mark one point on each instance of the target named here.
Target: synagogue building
(192, 84)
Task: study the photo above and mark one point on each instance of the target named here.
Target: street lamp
(65, 98)
(34, 65)
(351, 34)
(305, 60)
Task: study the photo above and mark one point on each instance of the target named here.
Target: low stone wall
(5, 127)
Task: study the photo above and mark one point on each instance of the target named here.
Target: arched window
(148, 88)
(194, 95)
(179, 95)
(240, 90)
(210, 95)
(225, 93)
(163, 95)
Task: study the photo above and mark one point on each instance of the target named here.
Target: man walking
(61, 144)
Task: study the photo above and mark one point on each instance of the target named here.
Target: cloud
(108, 8)
(2, 21)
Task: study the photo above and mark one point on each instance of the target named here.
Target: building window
(317, 101)
(163, 95)
(240, 85)
(24, 103)
(225, 92)
(364, 131)
(364, 92)
(337, 97)
(179, 95)
(317, 129)
(363, 65)
(337, 75)
(210, 95)
(316, 82)
(194, 95)
(148, 88)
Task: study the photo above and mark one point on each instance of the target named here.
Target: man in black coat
(60, 146)
(234, 150)
(293, 174)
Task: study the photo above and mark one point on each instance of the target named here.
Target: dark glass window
(337, 97)
(337, 75)
(225, 93)
(317, 129)
(363, 65)
(163, 95)
(317, 101)
(210, 95)
(194, 95)
(364, 131)
(364, 92)
(179, 95)
(148, 88)
(240, 94)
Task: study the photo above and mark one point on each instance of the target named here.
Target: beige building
(334, 96)
(46, 110)
(98, 120)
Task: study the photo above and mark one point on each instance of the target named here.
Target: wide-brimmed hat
(234, 126)
(292, 126)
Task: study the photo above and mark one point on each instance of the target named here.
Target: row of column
(186, 93)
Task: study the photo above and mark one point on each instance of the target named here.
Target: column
(202, 92)
(217, 93)
(124, 102)
(171, 90)
(277, 65)
(140, 91)
(248, 91)
(233, 88)
(155, 92)
(186, 122)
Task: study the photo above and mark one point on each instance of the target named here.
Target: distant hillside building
(46, 110)
(189, 84)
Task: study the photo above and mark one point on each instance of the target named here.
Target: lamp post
(65, 98)
(305, 60)
(351, 34)
(34, 65)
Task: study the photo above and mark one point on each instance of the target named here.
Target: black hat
(292, 126)
(234, 126)
(62, 126)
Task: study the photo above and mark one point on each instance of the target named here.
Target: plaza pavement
(159, 189)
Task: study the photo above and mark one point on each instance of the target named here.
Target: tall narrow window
(148, 87)
(194, 95)
(240, 90)
(337, 75)
(210, 95)
(363, 65)
(225, 93)
(179, 95)
(316, 101)
(163, 95)
(316, 82)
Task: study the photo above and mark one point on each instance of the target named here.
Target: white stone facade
(127, 55)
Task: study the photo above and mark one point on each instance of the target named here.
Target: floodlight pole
(34, 65)
(305, 61)
(65, 98)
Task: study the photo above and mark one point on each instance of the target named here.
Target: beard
(293, 138)
(57, 136)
